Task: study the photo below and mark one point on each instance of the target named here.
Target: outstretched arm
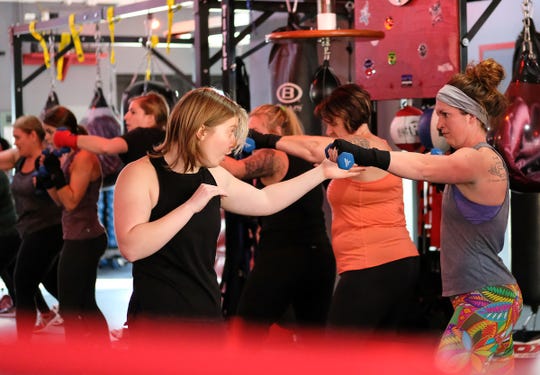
(101, 145)
(92, 143)
(244, 199)
(459, 167)
(307, 147)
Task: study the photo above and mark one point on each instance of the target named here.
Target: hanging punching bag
(52, 101)
(292, 66)
(101, 121)
(518, 141)
(243, 95)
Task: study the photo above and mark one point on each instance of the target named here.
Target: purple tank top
(82, 222)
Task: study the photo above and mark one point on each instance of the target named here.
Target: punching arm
(101, 145)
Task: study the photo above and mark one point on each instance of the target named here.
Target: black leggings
(376, 298)
(301, 277)
(36, 263)
(77, 273)
(8, 254)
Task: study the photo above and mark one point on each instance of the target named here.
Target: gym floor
(113, 290)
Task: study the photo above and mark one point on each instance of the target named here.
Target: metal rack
(20, 34)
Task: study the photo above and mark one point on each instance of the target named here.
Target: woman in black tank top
(167, 210)
(295, 266)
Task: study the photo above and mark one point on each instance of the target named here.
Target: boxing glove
(52, 165)
(65, 138)
(43, 178)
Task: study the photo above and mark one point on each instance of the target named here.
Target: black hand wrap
(52, 165)
(263, 140)
(367, 157)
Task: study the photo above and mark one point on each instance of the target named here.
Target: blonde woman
(295, 265)
(167, 209)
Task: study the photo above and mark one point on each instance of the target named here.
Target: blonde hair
(198, 107)
(29, 124)
(275, 116)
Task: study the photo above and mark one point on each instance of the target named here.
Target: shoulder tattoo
(497, 170)
(359, 141)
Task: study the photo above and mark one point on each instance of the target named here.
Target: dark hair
(480, 82)
(4, 144)
(350, 102)
(61, 117)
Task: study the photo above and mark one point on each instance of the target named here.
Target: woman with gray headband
(486, 298)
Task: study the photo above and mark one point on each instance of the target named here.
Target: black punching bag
(292, 65)
(518, 141)
(324, 82)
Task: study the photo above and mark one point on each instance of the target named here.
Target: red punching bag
(518, 137)
(518, 141)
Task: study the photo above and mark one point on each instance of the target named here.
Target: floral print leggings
(478, 338)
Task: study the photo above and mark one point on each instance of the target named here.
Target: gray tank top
(82, 222)
(35, 209)
(469, 252)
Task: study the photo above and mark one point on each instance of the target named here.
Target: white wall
(503, 26)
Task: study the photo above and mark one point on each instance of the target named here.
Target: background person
(295, 265)
(39, 228)
(74, 183)
(377, 262)
(145, 122)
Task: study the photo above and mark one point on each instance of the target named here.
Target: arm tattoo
(261, 164)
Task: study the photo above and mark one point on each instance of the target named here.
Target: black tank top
(179, 280)
(303, 221)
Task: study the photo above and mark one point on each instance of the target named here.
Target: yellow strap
(154, 40)
(39, 38)
(110, 21)
(75, 35)
(64, 41)
(170, 4)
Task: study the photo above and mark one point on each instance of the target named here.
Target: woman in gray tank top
(474, 218)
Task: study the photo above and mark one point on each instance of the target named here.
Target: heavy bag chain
(527, 42)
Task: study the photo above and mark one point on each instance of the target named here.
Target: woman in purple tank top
(73, 180)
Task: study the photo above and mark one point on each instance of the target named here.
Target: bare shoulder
(139, 170)
(221, 175)
(369, 142)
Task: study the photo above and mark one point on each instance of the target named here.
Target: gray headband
(453, 96)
